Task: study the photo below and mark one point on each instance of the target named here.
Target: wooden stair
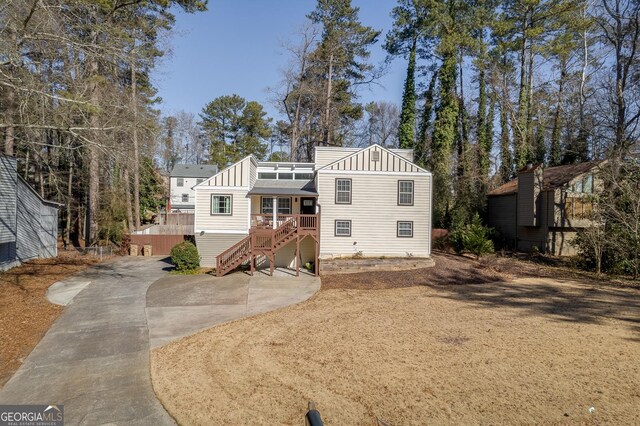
(267, 242)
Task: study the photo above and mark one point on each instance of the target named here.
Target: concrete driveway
(180, 305)
(95, 357)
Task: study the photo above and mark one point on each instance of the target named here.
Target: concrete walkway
(95, 357)
(179, 305)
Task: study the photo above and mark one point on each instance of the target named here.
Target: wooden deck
(265, 239)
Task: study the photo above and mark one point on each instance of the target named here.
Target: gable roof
(552, 177)
(226, 169)
(357, 161)
(194, 170)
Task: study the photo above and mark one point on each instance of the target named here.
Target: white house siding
(374, 212)
(237, 221)
(327, 155)
(178, 191)
(211, 245)
(364, 160)
(222, 231)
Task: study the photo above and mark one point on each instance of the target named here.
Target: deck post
(297, 254)
(317, 265)
(275, 212)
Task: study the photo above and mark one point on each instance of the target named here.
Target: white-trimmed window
(185, 198)
(405, 192)
(343, 191)
(342, 228)
(221, 204)
(405, 229)
(199, 181)
(284, 205)
(180, 182)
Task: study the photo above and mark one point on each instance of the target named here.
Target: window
(185, 198)
(267, 176)
(405, 192)
(578, 208)
(405, 229)
(221, 204)
(287, 176)
(180, 182)
(343, 228)
(304, 176)
(284, 205)
(375, 155)
(199, 181)
(588, 184)
(343, 191)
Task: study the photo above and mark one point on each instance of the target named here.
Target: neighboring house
(28, 224)
(182, 179)
(369, 201)
(544, 208)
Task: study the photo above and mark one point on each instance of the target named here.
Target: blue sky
(236, 47)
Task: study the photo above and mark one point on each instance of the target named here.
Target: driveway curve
(95, 357)
(181, 305)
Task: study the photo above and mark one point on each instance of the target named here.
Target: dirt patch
(531, 351)
(26, 313)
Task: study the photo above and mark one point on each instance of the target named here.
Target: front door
(307, 205)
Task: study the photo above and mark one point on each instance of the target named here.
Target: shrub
(473, 238)
(185, 257)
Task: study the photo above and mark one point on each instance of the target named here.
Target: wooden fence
(161, 245)
(176, 219)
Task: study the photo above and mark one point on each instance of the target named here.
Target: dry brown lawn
(25, 313)
(529, 351)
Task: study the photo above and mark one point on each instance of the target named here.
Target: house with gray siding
(363, 202)
(28, 224)
(544, 208)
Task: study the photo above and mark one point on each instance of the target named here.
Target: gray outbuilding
(28, 223)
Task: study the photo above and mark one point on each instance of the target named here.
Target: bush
(185, 257)
(472, 238)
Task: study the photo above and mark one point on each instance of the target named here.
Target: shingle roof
(553, 177)
(300, 188)
(194, 170)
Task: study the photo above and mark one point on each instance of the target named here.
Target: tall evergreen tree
(406, 130)
(341, 58)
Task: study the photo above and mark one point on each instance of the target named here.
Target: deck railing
(263, 239)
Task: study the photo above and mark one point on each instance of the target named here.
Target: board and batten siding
(364, 160)
(235, 181)
(8, 199)
(374, 213)
(211, 245)
(327, 155)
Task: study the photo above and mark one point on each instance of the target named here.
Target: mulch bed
(451, 269)
(26, 313)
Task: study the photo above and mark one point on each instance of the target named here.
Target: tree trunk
(127, 191)
(327, 108)
(67, 228)
(557, 116)
(93, 198)
(136, 149)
